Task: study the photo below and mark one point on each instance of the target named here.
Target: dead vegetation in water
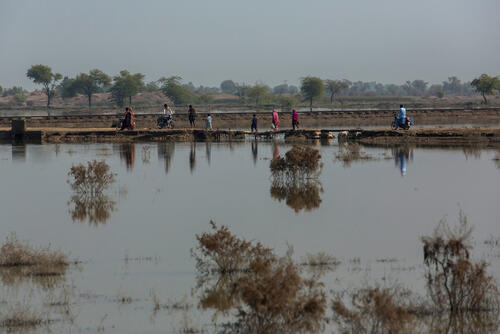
(299, 162)
(89, 202)
(375, 310)
(270, 293)
(297, 194)
(456, 283)
(295, 178)
(21, 317)
(20, 261)
(320, 263)
(351, 152)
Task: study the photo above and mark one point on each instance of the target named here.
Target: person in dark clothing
(254, 123)
(128, 121)
(192, 116)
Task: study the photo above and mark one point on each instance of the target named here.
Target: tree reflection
(298, 195)
(94, 209)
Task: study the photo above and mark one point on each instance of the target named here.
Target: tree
(288, 101)
(312, 88)
(13, 91)
(419, 86)
(241, 90)
(280, 89)
(19, 98)
(486, 85)
(42, 74)
(334, 87)
(258, 93)
(173, 88)
(67, 88)
(152, 87)
(126, 85)
(94, 82)
(228, 86)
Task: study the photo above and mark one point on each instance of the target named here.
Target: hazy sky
(205, 42)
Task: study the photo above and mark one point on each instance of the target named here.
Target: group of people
(129, 122)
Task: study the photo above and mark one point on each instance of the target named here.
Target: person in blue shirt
(401, 115)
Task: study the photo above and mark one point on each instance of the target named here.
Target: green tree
(312, 88)
(334, 87)
(228, 86)
(486, 85)
(42, 74)
(288, 101)
(126, 85)
(152, 87)
(67, 88)
(258, 93)
(173, 88)
(280, 89)
(94, 82)
(206, 98)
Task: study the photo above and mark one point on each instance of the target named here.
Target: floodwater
(369, 214)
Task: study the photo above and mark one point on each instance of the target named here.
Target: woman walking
(276, 120)
(295, 119)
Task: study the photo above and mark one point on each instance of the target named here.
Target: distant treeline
(124, 86)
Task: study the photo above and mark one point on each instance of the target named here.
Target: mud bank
(238, 120)
(486, 137)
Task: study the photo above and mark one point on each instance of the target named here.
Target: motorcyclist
(167, 112)
(401, 115)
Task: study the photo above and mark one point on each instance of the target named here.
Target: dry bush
(454, 282)
(269, 293)
(299, 162)
(222, 252)
(19, 260)
(375, 310)
(349, 153)
(92, 179)
(320, 263)
(297, 194)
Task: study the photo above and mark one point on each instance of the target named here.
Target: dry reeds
(299, 162)
(21, 317)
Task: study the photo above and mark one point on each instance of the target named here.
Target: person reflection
(127, 154)
(402, 156)
(18, 151)
(192, 157)
(255, 152)
(166, 153)
(276, 151)
(208, 151)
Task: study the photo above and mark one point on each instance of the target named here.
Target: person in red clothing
(276, 120)
(295, 119)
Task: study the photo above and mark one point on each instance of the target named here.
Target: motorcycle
(163, 121)
(405, 125)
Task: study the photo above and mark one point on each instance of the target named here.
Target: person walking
(276, 120)
(128, 121)
(295, 119)
(254, 123)
(192, 116)
(208, 123)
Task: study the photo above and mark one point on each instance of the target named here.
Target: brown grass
(21, 317)
(455, 282)
(19, 260)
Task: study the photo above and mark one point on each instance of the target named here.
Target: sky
(269, 41)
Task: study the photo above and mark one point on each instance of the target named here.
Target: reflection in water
(208, 150)
(298, 195)
(96, 209)
(402, 156)
(192, 157)
(276, 151)
(166, 153)
(19, 151)
(127, 154)
(254, 152)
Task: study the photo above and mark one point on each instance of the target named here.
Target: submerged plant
(299, 162)
(455, 282)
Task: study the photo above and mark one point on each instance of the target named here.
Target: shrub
(299, 162)
(454, 282)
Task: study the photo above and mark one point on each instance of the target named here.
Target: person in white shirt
(167, 112)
